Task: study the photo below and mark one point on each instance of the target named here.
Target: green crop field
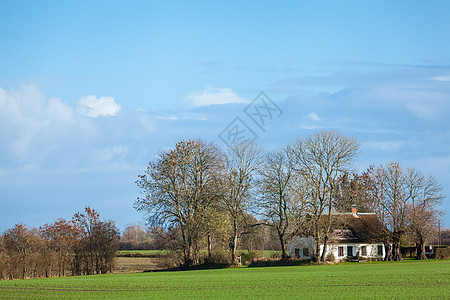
(420, 280)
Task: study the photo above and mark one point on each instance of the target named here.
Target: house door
(297, 253)
(349, 250)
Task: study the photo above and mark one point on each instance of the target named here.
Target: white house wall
(309, 243)
(301, 243)
(372, 250)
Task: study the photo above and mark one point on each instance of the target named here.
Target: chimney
(354, 211)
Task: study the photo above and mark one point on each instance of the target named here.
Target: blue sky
(91, 90)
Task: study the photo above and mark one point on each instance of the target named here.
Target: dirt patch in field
(135, 264)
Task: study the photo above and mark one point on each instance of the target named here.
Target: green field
(420, 280)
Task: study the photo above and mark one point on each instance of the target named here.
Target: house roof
(358, 228)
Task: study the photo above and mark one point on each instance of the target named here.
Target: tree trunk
(209, 248)
(420, 249)
(327, 229)
(234, 241)
(388, 252)
(196, 253)
(316, 255)
(186, 249)
(324, 251)
(396, 255)
(283, 246)
(317, 240)
(317, 252)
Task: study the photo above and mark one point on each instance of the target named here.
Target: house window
(340, 251)
(380, 250)
(297, 252)
(363, 251)
(305, 252)
(349, 250)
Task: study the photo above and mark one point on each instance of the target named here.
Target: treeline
(81, 246)
(140, 237)
(209, 200)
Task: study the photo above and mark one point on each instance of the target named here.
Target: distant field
(265, 253)
(262, 253)
(141, 252)
(135, 264)
(406, 280)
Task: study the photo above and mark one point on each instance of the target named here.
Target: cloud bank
(91, 106)
(212, 96)
(41, 132)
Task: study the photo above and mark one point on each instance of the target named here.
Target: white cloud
(27, 117)
(441, 78)
(42, 132)
(168, 117)
(308, 127)
(386, 145)
(108, 153)
(422, 110)
(212, 96)
(178, 116)
(147, 123)
(313, 116)
(92, 106)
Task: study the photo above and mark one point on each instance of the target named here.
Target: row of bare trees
(84, 245)
(407, 204)
(209, 198)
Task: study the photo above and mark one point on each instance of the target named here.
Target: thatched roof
(358, 228)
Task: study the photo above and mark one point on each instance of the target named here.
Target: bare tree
(321, 159)
(62, 236)
(240, 164)
(136, 237)
(280, 200)
(85, 257)
(406, 204)
(424, 194)
(178, 188)
(86, 245)
(135, 233)
(106, 238)
(392, 208)
(96, 245)
(18, 243)
(4, 261)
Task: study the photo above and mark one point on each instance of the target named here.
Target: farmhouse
(355, 235)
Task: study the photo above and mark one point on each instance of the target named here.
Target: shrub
(245, 258)
(276, 255)
(248, 257)
(218, 258)
(330, 257)
(255, 255)
(171, 260)
(443, 253)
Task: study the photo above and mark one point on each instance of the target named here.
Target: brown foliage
(84, 245)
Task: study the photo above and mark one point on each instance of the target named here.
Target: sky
(90, 91)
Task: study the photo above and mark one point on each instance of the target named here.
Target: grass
(402, 280)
